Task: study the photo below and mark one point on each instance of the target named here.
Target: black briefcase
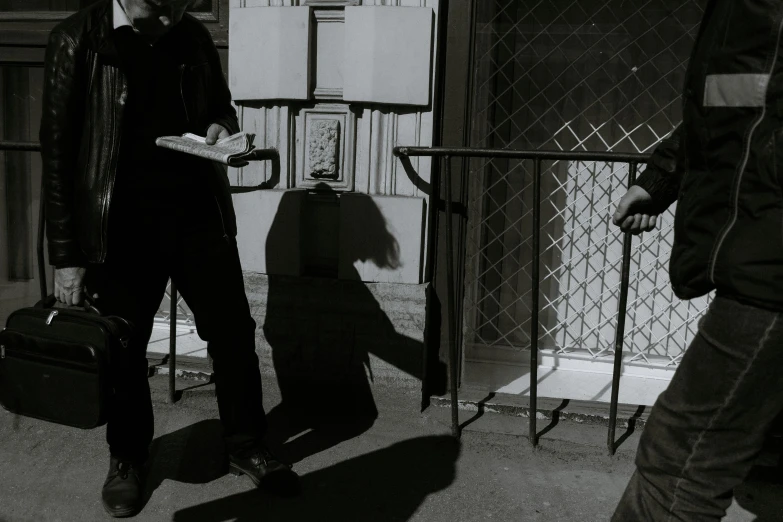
(54, 362)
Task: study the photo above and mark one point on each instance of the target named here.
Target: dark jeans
(183, 239)
(707, 428)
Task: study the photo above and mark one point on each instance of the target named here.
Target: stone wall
(320, 329)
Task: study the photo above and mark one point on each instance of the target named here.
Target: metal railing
(633, 160)
(30, 146)
(537, 156)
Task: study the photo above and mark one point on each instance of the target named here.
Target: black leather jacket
(83, 102)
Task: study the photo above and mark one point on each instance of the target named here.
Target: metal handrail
(31, 146)
(633, 160)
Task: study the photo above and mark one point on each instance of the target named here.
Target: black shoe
(123, 489)
(265, 471)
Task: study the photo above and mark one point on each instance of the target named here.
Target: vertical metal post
(453, 355)
(432, 216)
(172, 342)
(620, 332)
(533, 435)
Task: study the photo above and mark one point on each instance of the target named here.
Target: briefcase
(54, 363)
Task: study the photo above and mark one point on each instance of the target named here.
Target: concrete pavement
(401, 466)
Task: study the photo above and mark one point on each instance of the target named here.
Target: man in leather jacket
(124, 216)
(720, 165)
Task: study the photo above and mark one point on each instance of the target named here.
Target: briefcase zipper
(37, 357)
(51, 317)
(110, 328)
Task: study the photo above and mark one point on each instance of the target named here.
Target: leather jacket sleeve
(661, 179)
(223, 113)
(59, 135)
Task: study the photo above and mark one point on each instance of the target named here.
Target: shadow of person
(380, 486)
(321, 332)
(194, 454)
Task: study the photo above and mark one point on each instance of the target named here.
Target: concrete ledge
(318, 328)
(582, 412)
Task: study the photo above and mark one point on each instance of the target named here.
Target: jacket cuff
(62, 257)
(228, 123)
(59, 266)
(662, 186)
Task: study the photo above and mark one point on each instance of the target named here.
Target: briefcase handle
(50, 300)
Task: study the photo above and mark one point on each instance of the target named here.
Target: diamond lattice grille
(184, 313)
(573, 75)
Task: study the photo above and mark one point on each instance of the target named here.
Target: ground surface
(403, 466)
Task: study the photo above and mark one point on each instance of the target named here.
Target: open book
(233, 150)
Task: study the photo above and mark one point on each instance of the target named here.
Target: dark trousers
(181, 238)
(708, 427)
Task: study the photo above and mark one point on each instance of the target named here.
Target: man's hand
(630, 215)
(216, 132)
(69, 285)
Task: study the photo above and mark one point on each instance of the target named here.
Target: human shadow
(194, 454)
(321, 332)
(389, 484)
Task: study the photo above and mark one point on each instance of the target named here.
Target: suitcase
(54, 362)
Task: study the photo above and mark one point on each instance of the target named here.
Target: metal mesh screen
(184, 314)
(572, 75)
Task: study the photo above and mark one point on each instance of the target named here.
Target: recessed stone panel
(325, 141)
(381, 238)
(388, 54)
(329, 53)
(269, 53)
(324, 149)
(269, 224)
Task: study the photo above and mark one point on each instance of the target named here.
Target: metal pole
(453, 362)
(620, 332)
(432, 217)
(20, 146)
(535, 298)
(546, 155)
(172, 342)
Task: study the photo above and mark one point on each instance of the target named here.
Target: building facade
(342, 242)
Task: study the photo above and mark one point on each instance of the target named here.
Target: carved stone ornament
(323, 148)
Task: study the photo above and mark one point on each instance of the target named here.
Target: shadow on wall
(379, 486)
(321, 333)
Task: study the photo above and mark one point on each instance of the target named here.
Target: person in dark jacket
(721, 166)
(124, 216)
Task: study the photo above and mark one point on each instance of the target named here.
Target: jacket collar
(100, 32)
(119, 17)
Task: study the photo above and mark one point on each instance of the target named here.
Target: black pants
(182, 238)
(707, 428)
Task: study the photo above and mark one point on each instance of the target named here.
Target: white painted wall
(393, 108)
